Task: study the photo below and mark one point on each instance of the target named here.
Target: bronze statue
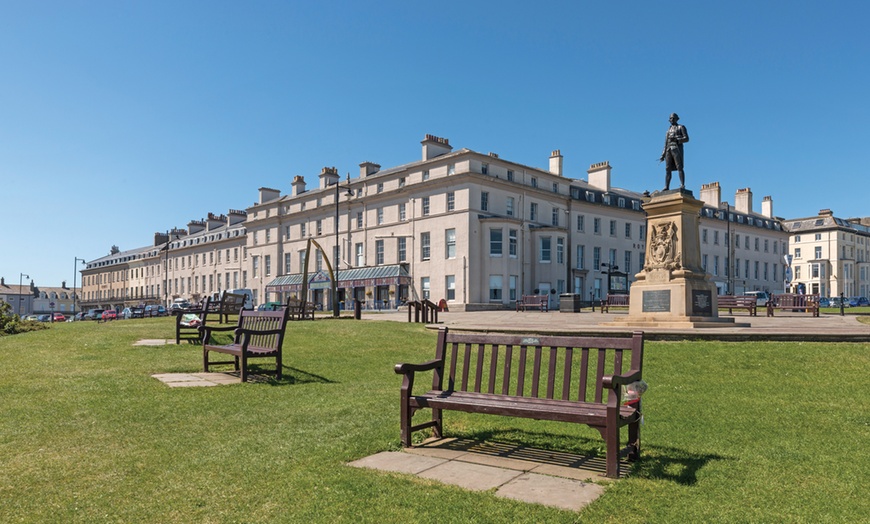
(672, 154)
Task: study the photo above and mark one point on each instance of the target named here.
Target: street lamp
(336, 252)
(20, 296)
(76, 260)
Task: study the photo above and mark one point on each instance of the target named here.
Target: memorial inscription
(702, 302)
(657, 301)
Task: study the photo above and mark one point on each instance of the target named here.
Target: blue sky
(121, 119)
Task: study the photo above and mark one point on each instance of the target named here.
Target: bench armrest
(614, 381)
(404, 369)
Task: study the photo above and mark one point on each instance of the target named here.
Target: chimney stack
(298, 185)
(767, 207)
(599, 176)
(267, 195)
(556, 162)
(435, 146)
(743, 200)
(328, 177)
(236, 216)
(368, 168)
(711, 194)
(215, 221)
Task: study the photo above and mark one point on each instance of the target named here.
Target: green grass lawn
(734, 432)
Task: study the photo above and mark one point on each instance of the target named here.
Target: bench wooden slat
(506, 377)
(566, 373)
(553, 377)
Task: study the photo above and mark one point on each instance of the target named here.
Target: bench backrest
(263, 321)
(737, 300)
(534, 299)
(560, 367)
(617, 300)
(791, 299)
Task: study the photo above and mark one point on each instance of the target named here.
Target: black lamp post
(76, 260)
(20, 296)
(336, 253)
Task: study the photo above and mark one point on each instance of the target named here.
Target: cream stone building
(756, 242)
(471, 228)
(202, 260)
(830, 255)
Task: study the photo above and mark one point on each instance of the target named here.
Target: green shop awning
(392, 275)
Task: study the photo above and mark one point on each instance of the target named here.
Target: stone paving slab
(398, 462)
(187, 380)
(475, 477)
(154, 342)
(516, 472)
(550, 491)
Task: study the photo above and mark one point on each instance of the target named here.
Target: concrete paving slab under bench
(187, 380)
(530, 475)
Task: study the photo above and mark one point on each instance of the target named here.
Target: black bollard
(357, 309)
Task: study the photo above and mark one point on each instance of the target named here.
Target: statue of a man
(672, 154)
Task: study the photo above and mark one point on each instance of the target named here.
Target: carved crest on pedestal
(663, 252)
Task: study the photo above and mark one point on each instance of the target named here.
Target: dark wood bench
(747, 302)
(541, 302)
(794, 302)
(297, 311)
(614, 301)
(188, 321)
(258, 334)
(560, 378)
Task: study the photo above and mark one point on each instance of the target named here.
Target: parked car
(80, 316)
(44, 318)
(858, 301)
(835, 302)
(761, 297)
(155, 311)
(35, 318)
(824, 302)
(270, 306)
(93, 314)
(59, 317)
(109, 314)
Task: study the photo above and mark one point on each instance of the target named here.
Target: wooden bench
(296, 311)
(747, 302)
(188, 321)
(258, 334)
(792, 301)
(614, 301)
(541, 302)
(560, 378)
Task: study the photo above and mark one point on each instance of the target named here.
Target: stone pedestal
(672, 289)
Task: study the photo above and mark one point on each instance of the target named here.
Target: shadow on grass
(675, 465)
(265, 374)
(656, 462)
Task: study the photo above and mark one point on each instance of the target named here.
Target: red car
(109, 314)
(58, 317)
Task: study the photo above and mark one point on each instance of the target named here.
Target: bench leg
(634, 441)
(438, 419)
(278, 366)
(405, 423)
(204, 359)
(244, 370)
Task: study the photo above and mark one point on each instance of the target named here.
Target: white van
(761, 297)
(249, 296)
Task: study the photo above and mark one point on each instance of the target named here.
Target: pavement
(784, 326)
